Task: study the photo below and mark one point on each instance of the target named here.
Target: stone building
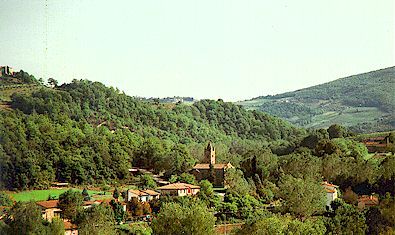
(210, 170)
(6, 70)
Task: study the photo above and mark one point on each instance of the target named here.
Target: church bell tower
(209, 154)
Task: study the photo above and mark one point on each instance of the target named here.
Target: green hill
(84, 133)
(363, 102)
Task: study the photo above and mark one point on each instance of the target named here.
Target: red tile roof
(48, 204)
(368, 200)
(138, 192)
(69, 226)
(329, 188)
(151, 192)
(178, 186)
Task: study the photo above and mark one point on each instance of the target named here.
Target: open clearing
(42, 195)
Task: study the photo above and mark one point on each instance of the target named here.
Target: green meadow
(42, 195)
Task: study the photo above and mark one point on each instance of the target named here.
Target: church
(210, 170)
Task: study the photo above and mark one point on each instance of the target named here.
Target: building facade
(179, 189)
(331, 193)
(210, 170)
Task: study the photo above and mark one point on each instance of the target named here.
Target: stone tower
(209, 154)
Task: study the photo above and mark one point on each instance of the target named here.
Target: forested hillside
(364, 103)
(85, 132)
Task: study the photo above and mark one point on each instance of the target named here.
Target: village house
(50, 209)
(210, 170)
(142, 195)
(70, 228)
(179, 189)
(379, 144)
(366, 201)
(331, 193)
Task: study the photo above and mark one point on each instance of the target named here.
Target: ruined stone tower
(209, 154)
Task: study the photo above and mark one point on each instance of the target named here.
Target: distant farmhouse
(50, 209)
(331, 193)
(378, 144)
(210, 170)
(6, 70)
(179, 189)
(366, 201)
(142, 195)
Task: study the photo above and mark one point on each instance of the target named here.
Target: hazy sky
(206, 49)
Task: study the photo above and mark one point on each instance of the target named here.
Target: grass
(348, 117)
(42, 195)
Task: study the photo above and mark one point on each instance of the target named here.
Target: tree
(85, 194)
(236, 182)
(306, 227)
(206, 194)
(265, 226)
(119, 213)
(116, 193)
(52, 82)
(187, 178)
(176, 219)
(147, 181)
(70, 202)
(5, 200)
(312, 201)
(56, 227)
(97, 220)
(350, 197)
(179, 160)
(346, 219)
(26, 218)
(336, 131)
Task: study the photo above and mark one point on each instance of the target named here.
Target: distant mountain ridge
(363, 102)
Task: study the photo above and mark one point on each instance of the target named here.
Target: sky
(234, 50)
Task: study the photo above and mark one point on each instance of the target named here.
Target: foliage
(136, 229)
(97, 220)
(119, 213)
(346, 219)
(147, 181)
(116, 193)
(26, 218)
(5, 199)
(346, 101)
(175, 219)
(85, 194)
(236, 182)
(312, 201)
(265, 226)
(138, 208)
(270, 224)
(70, 202)
(336, 131)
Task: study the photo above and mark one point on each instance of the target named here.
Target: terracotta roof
(216, 166)
(48, 204)
(69, 226)
(151, 192)
(368, 200)
(325, 183)
(138, 192)
(178, 186)
(330, 190)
